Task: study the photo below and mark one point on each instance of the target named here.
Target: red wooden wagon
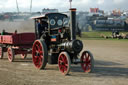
(16, 43)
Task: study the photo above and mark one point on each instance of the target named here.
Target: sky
(62, 5)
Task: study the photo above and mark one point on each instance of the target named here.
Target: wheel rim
(1, 54)
(10, 55)
(64, 64)
(86, 62)
(37, 54)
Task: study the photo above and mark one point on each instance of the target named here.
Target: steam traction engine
(57, 43)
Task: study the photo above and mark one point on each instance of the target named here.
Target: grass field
(97, 34)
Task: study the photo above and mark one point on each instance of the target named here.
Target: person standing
(39, 28)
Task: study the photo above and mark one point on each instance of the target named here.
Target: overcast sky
(63, 5)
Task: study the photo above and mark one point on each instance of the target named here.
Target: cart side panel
(18, 39)
(11, 39)
(26, 38)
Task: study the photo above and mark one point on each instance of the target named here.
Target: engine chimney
(73, 23)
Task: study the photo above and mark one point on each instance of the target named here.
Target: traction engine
(56, 43)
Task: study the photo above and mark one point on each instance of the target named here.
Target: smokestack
(73, 23)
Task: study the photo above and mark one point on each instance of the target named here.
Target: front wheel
(39, 54)
(87, 61)
(64, 63)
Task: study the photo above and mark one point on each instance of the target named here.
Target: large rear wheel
(64, 63)
(39, 54)
(11, 54)
(1, 52)
(87, 61)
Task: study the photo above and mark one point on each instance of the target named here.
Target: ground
(111, 68)
(111, 64)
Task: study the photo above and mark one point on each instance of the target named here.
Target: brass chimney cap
(73, 9)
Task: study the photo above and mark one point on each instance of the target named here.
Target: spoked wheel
(11, 54)
(64, 63)
(1, 52)
(39, 54)
(87, 61)
(23, 56)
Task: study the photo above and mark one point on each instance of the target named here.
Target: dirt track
(111, 67)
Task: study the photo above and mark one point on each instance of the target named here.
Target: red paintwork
(37, 54)
(86, 62)
(21, 43)
(10, 55)
(63, 63)
(18, 39)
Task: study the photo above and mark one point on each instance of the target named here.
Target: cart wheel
(23, 56)
(11, 54)
(64, 63)
(87, 61)
(1, 52)
(39, 54)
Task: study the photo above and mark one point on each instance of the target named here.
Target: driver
(41, 27)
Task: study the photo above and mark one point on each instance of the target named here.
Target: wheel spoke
(60, 61)
(66, 65)
(9, 54)
(86, 54)
(65, 68)
(41, 58)
(62, 57)
(61, 67)
(65, 60)
(37, 47)
(86, 67)
(41, 52)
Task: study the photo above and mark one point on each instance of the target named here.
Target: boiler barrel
(75, 45)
